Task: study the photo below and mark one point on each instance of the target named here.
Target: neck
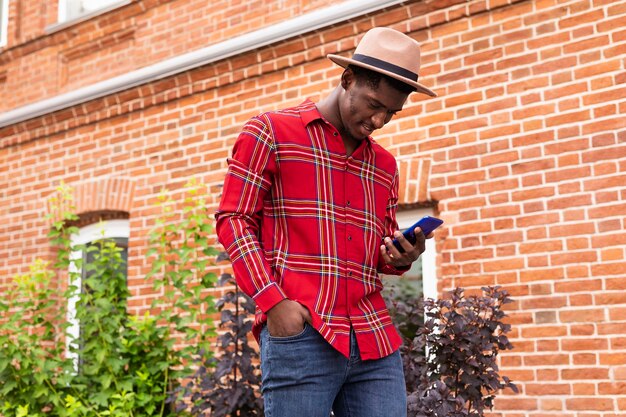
(329, 109)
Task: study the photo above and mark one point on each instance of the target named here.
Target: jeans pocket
(291, 338)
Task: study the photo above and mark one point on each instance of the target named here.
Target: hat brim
(344, 62)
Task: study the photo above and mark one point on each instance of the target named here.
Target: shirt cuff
(268, 297)
(391, 270)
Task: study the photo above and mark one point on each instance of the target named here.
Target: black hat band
(375, 62)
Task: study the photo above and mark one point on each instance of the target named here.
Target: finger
(420, 241)
(385, 254)
(404, 242)
(391, 249)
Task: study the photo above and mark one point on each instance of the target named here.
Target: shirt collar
(309, 112)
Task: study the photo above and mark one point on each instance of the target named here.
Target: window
(115, 230)
(74, 9)
(4, 21)
(422, 277)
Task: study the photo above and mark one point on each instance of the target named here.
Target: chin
(359, 134)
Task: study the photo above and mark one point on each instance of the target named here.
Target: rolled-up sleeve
(248, 181)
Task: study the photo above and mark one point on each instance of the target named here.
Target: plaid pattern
(302, 220)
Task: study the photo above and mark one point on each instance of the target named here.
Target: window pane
(89, 257)
(4, 21)
(72, 9)
(91, 5)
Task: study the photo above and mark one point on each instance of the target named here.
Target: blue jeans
(304, 376)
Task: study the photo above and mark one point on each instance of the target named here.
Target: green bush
(136, 366)
(129, 366)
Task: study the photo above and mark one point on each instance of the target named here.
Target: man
(307, 215)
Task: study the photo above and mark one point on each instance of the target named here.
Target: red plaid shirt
(302, 220)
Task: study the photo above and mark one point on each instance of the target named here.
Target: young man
(307, 216)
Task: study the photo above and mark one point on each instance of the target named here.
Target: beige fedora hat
(389, 52)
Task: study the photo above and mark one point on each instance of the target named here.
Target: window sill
(84, 17)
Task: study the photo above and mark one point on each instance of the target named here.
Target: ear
(347, 78)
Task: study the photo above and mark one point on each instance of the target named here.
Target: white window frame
(109, 229)
(405, 219)
(65, 17)
(4, 22)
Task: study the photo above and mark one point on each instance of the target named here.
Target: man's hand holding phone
(407, 246)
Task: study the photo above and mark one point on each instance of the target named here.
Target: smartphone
(426, 223)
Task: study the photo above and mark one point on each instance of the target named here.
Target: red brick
(468, 255)
(534, 111)
(583, 388)
(544, 374)
(497, 185)
(568, 174)
(568, 202)
(604, 125)
(590, 403)
(568, 90)
(504, 403)
(545, 360)
(578, 19)
(573, 257)
(608, 211)
(551, 302)
(547, 389)
(612, 388)
(578, 286)
(585, 344)
(463, 99)
(537, 219)
(612, 254)
(584, 359)
(536, 261)
(541, 247)
(582, 316)
(604, 182)
(544, 331)
(612, 359)
(523, 60)
(510, 129)
(567, 118)
(610, 298)
(503, 265)
(534, 193)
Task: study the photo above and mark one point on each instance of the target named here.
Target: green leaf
(22, 411)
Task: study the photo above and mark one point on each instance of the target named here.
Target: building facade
(523, 154)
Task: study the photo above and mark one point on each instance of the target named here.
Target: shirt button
(348, 203)
(349, 237)
(335, 133)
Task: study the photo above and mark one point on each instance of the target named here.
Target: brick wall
(133, 36)
(526, 148)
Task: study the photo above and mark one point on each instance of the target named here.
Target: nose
(378, 119)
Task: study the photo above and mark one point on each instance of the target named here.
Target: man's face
(365, 109)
